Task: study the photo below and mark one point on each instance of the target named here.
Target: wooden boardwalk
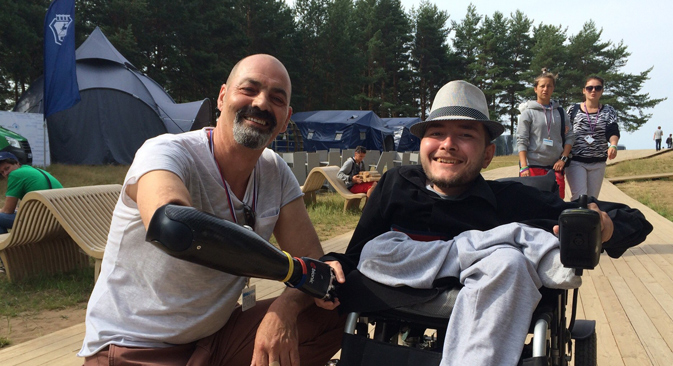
(631, 299)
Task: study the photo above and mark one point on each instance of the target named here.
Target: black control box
(580, 236)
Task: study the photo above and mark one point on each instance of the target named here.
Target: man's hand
(612, 153)
(357, 179)
(607, 226)
(339, 273)
(277, 338)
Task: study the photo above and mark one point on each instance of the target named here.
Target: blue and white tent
(404, 140)
(120, 108)
(324, 130)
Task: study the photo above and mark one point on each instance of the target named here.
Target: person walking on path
(669, 141)
(596, 138)
(658, 134)
(544, 136)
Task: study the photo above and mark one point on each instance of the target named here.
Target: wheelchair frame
(552, 342)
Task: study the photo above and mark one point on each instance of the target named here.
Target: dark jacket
(402, 202)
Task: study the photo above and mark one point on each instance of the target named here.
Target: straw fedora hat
(459, 101)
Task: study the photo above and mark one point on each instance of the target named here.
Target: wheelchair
(412, 331)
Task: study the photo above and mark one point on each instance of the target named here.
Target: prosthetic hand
(189, 234)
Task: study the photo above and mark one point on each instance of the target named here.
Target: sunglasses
(249, 216)
(591, 88)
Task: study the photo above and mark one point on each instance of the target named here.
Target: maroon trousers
(320, 333)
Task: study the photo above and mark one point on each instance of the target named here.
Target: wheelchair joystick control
(580, 237)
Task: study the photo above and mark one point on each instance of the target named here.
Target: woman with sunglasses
(596, 139)
(544, 134)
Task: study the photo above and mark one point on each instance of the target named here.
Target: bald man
(152, 309)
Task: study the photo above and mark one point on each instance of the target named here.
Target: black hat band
(456, 111)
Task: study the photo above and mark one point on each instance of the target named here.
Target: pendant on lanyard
(592, 126)
(249, 294)
(247, 210)
(548, 141)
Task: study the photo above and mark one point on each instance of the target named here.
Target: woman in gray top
(544, 139)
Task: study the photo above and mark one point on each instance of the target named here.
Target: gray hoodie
(532, 130)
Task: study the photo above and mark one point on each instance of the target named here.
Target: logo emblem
(59, 26)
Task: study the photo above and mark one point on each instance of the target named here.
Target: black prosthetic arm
(189, 234)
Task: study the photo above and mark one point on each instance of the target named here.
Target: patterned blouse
(592, 133)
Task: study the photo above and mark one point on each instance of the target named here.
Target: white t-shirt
(658, 133)
(146, 298)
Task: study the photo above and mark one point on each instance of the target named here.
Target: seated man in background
(349, 173)
(21, 179)
(446, 197)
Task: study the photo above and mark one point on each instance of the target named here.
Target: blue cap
(4, 155)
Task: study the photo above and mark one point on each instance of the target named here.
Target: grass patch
(655, 194)
(88, 175)
(328, 217)
(503, 161)
(45, 292)
(662, 163)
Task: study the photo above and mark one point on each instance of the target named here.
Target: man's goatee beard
(250, 137)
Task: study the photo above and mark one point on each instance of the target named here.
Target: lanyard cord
(551, 112)
(598, 114)
(226, 185)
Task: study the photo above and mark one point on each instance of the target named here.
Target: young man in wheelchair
(446, 197)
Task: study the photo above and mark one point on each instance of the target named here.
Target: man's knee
(509, 262)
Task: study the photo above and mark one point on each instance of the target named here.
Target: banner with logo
(60, 77)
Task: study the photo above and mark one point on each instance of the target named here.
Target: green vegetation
(503, 161)
(662, 163)
(45, 293)
(655, 194)
(367, 54)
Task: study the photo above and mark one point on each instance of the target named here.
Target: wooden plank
(41, 350)
(649, 337)
(608, 352)
(654, 325)
(630, 347)
(660, 285)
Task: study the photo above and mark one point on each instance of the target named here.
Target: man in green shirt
(21, 179)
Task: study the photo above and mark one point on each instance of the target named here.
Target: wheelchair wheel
(585, 351)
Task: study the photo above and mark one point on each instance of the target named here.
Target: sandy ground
(28, 326)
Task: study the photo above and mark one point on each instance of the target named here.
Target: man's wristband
(523, 169)
(612, 147)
